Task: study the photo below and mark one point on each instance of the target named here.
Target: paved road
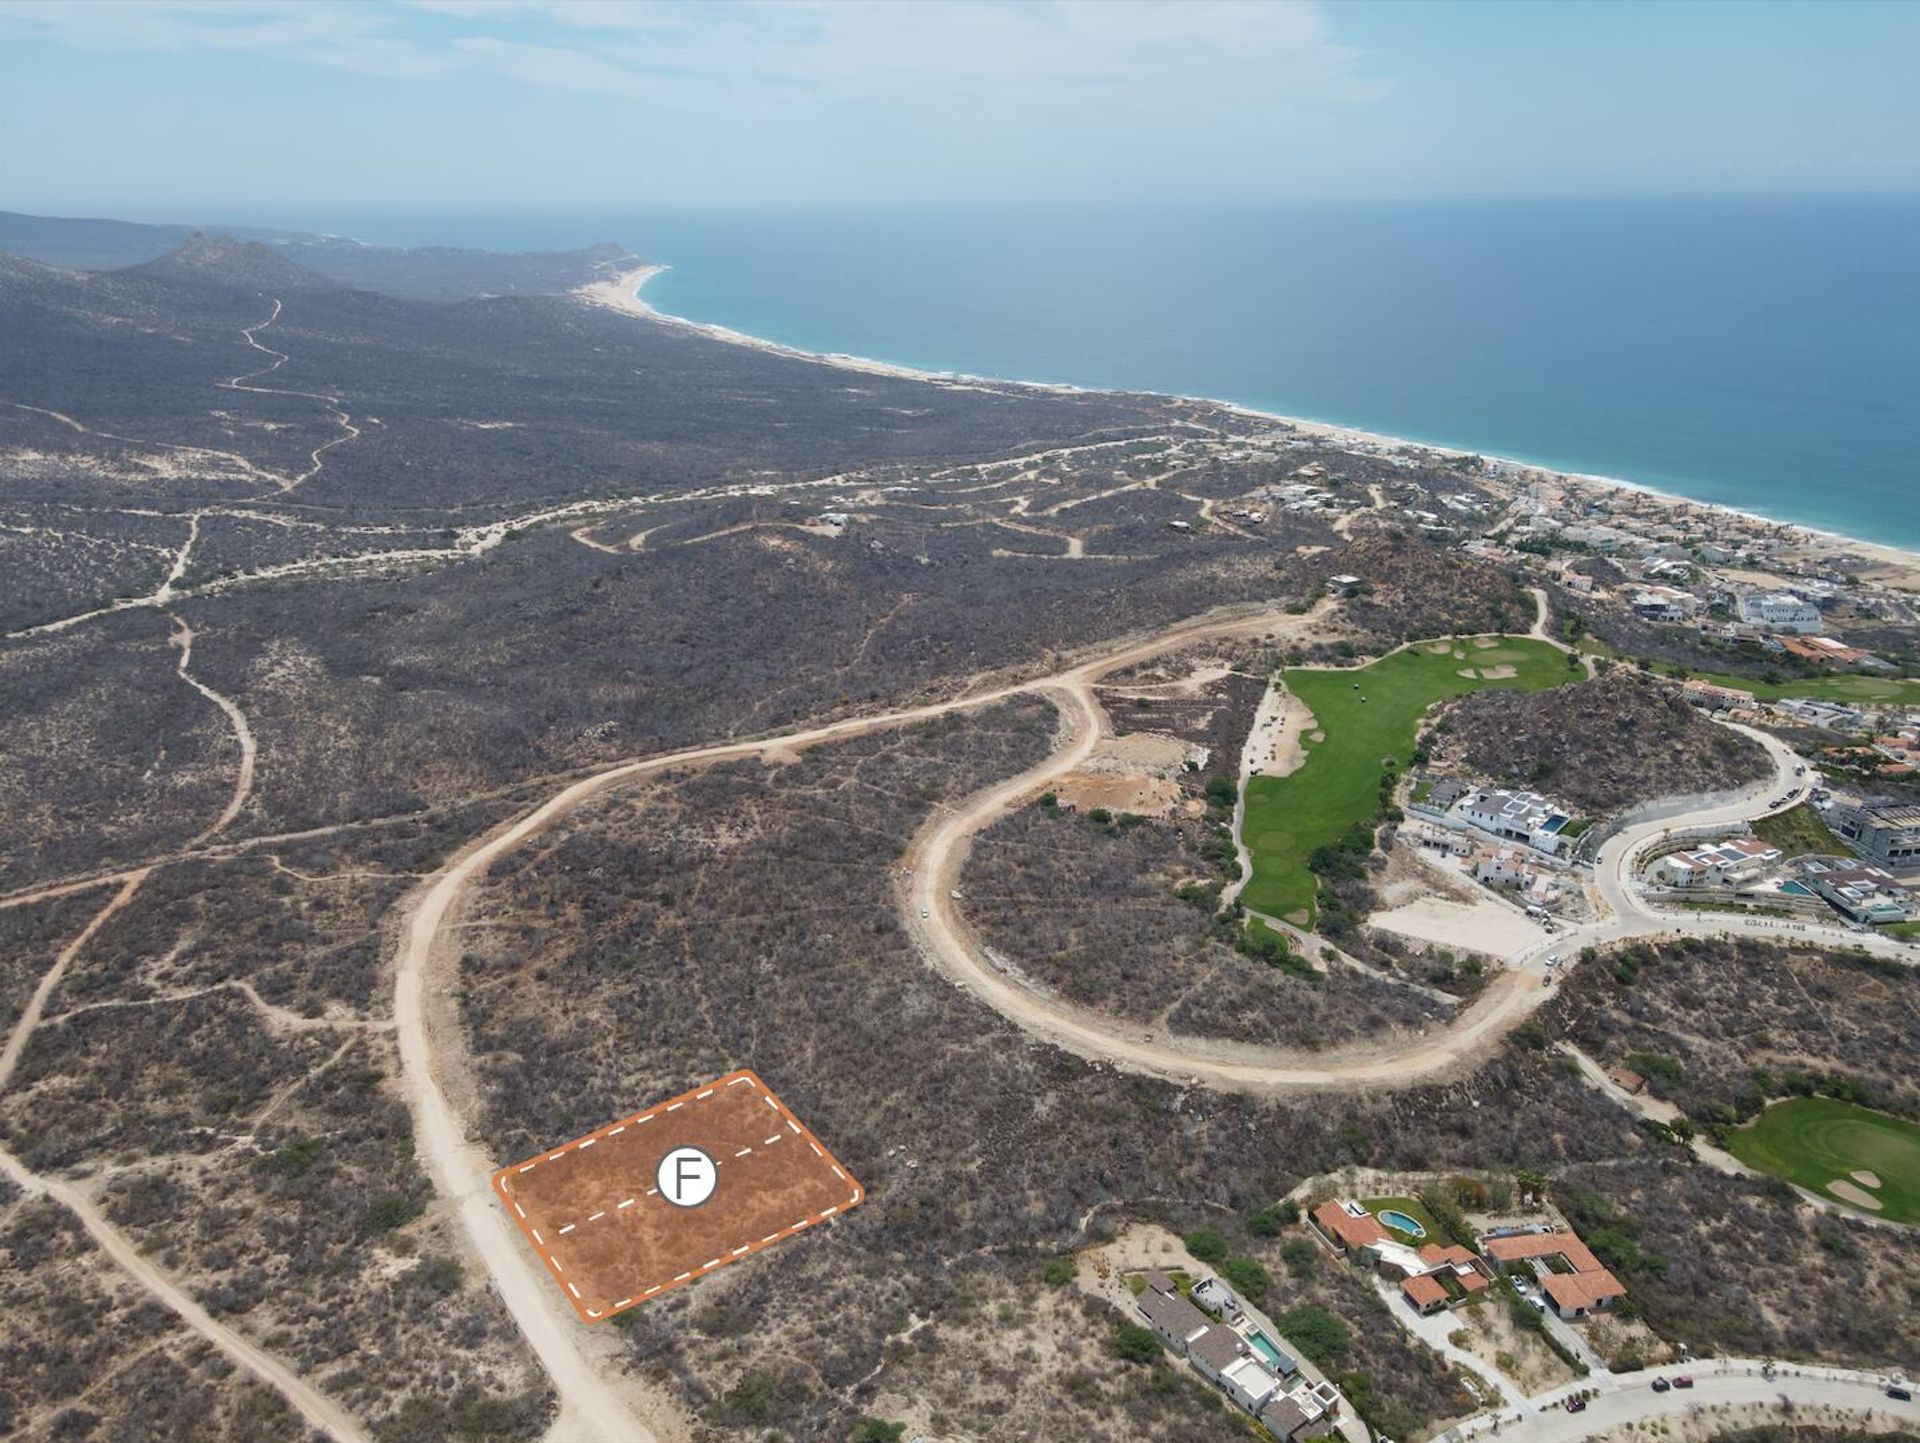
(1632, 1400)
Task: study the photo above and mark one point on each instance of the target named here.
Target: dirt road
(319, 1410)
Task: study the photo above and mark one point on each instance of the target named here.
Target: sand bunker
(1440, 648)
(1468, 672)
(1866, 1178)
(1486, 643)
(1497, 673)
(1858, 1196)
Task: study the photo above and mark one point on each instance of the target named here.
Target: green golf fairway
(1817, 1141)
(1366, 714)
(1859, 690)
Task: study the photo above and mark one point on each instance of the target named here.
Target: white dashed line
(588, 1143)
(743, 1152)
(682, 1277)
(795, 1126)
(741, 1249)
(595, 1217)
(771, 1141)
(675, 1106)
(624, 1302)
(574, 1289)
(709, 1263)
(528, 1166)
(703, 1096)
(627, 1204)
(520, 1210)
(618, 1130)
(538, 1239)
(771, 1238)
(567, 1229)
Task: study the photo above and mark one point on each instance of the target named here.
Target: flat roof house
(1738, 859)
(1223, 1356)
(1517, 816)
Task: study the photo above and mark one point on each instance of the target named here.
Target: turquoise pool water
(1264, 1346)
(1400, 1222)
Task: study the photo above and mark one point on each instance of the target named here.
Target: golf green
(1366, 714)
(1818, 1142)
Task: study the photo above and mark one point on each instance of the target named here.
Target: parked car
(1576, 1403)
(1683, 1381)
(1661, 1385)
(1894, 1390)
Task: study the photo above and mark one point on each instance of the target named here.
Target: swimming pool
(1401, 1223)
(1271, 1355)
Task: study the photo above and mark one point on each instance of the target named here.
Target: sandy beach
(1797, 545)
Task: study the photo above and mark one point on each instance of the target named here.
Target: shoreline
(621, 292)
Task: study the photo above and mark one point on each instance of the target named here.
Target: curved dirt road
(319, 1410)
(592, 1408)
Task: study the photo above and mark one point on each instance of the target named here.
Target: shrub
(877, 1430)
(1248, 1278)
(1135, 1343)
(385, 1214)
(1207, 1246)
(1058, 1271)
(1319, 1335)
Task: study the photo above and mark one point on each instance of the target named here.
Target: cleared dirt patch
(1148, 796)
(593, 1212)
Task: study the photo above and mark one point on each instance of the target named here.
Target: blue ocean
(1761, 353)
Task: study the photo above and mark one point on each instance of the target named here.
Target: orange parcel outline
(504, 1178)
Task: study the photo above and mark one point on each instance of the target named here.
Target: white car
(926, 912)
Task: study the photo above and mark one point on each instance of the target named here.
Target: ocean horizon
(1760, 353)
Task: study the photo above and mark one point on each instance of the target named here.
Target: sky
(161, 110)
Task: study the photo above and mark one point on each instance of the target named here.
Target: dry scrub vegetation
(215, 1072)
(1735, 1263)
(1094, 912)
(83, 1356)
(745, 916)
(1603, 745)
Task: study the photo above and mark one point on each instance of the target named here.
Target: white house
(1518, 817)
(1780, 611)
(1222, 1356)
(1728, 863)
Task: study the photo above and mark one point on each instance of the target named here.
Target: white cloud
(1124, 54)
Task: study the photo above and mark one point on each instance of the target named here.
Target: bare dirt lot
(592, 1211)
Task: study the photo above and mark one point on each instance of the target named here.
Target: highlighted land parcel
(658, 1199)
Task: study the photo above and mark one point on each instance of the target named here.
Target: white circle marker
(686, 1177)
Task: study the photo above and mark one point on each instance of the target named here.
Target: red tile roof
(1423, 1291)
(1435, 1254)
(1543, 1245)
(1582, 1290)
(1351, 1231)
